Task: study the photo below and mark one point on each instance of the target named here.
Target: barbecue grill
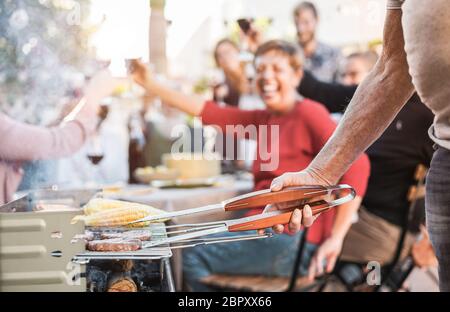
(42, 250)
(38, 251)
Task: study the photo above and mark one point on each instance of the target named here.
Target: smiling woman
(279, 66)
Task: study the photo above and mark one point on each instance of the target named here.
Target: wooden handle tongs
(319, 198)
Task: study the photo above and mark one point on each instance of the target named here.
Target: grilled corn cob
(116, 214)
(101, 204)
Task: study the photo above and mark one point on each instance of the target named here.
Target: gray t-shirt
(440, 130)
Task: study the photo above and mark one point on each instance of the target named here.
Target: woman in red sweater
(302, 128)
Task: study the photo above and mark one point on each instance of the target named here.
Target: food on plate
(151, 170)
(126, 192)
(148, 174)
(193, 166)
(117, 245)
(145, 170)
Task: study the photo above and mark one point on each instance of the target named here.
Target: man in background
(321, 59)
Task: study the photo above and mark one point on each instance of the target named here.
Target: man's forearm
(376, 102)
(188, 104)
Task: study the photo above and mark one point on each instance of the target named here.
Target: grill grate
(158, 232)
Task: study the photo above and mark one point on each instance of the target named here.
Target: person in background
(46, 173)
(235, 85)
(303, 126)
(226, 55)
(321, 59)
(351, 71)
(22, 142)
(356, 66)
(337, 95)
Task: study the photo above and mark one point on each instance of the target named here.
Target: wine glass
(95, 155)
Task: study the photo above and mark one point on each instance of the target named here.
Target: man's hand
(299, 217)
(305, 177)
(328, 252)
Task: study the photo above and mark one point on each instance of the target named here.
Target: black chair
(353, 276)
(253, 283)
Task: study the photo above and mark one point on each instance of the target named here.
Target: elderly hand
(299, 217)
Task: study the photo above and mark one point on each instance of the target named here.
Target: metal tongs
(319, 198)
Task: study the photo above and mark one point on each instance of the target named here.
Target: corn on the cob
(116, 214)
(100, 204)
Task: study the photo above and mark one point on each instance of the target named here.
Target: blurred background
(194, 27)
(49, 48)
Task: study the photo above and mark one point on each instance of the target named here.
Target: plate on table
(148, 174)
(131, 190)
(185, 183)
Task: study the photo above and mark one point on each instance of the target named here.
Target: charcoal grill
(38, 252)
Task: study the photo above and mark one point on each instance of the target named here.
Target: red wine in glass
(95, 159)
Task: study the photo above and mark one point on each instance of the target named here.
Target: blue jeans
(437, 203)
(273, 256)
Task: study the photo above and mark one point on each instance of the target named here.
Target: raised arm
(22, 142)
(210, 112)
(189, 104)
